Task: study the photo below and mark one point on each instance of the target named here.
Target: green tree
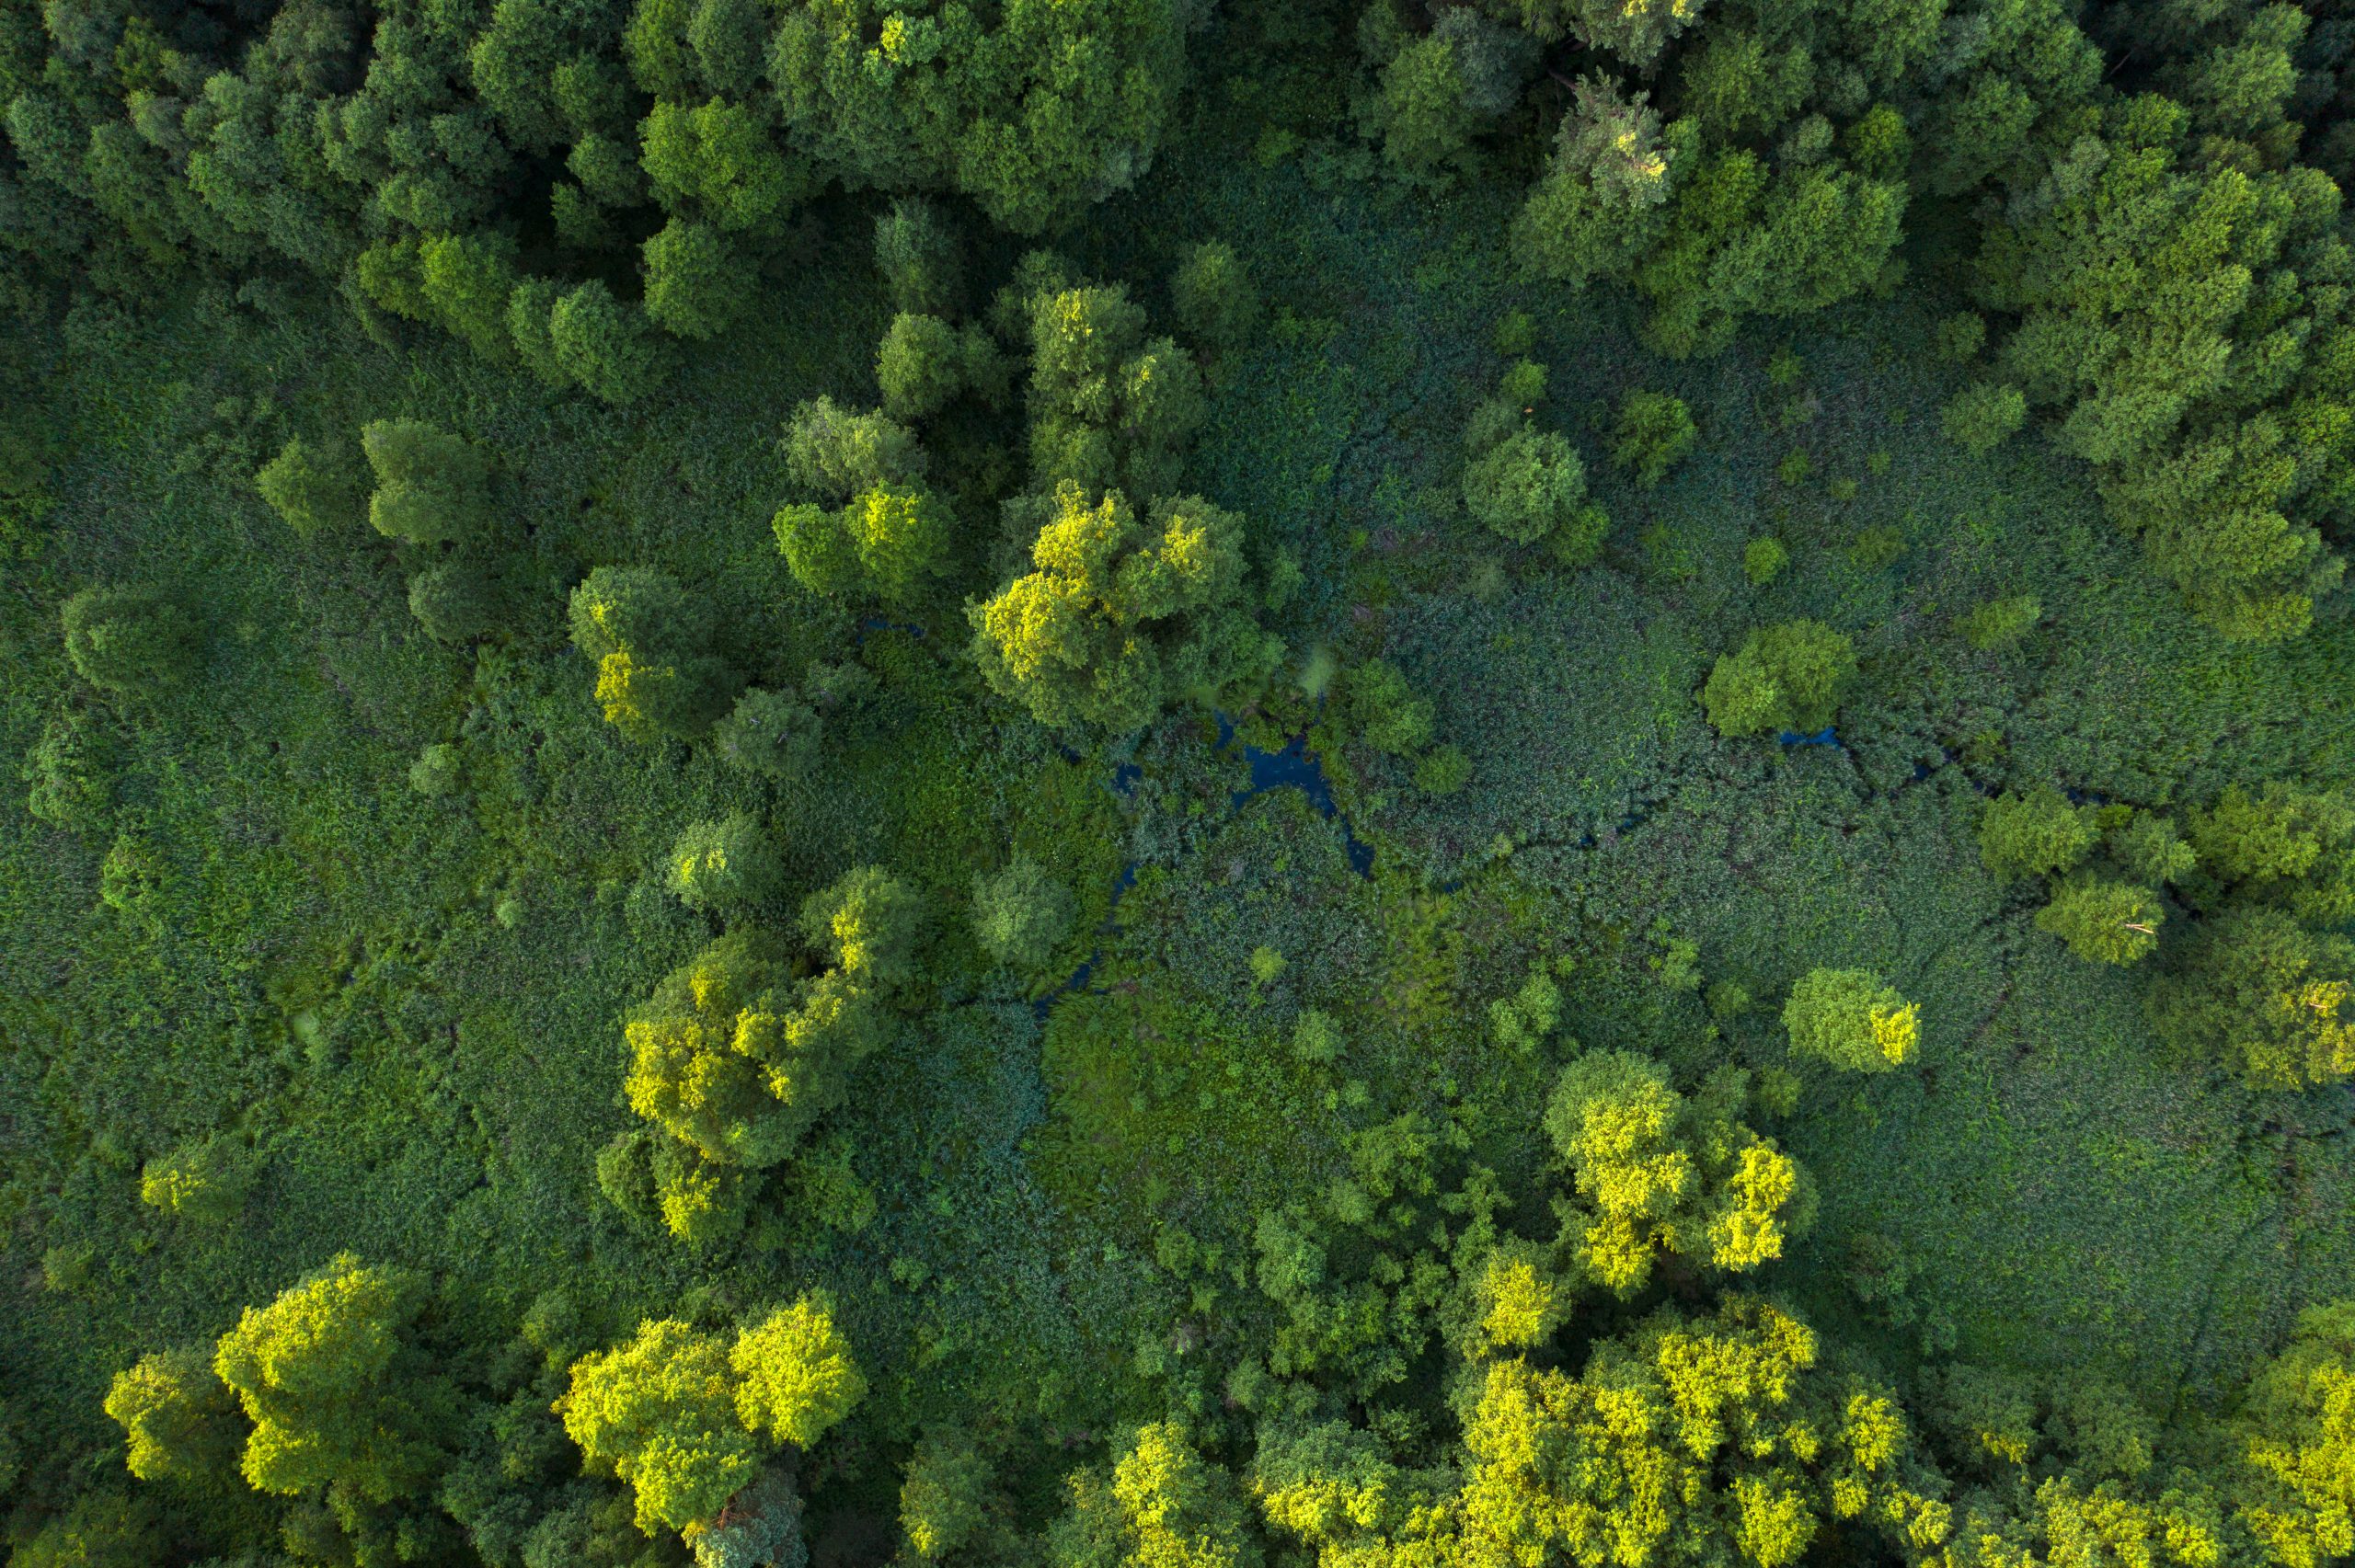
(206, 1182)
(1852, 1019)
(920, 365)
(1217, 304)
(1984, 414)
(431, 488)
(774, 734)
(1021, 914)
(313, 487)
(1784, 678)
(1383, 711)
(603, 345)
(838, 453)
(2103, 920)
(794, 1374)
(130, 641)
(2035, 834)
(870, 922)
(467, 282)
(659, 1413)
(1603, 200)
(455, 601)
(337, 1392)
(1653, 433)
(1122, 614)
(944, 1494)
(178, 1418)
(726, 866)
(650, 640)
(922, 261)
(2266, 997)
(1530, 485)
(1656, 1172)
(697, 284)
(2295, 1430)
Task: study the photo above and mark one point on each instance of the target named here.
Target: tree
(1110, 408)
(719, 162)
(178, 1418)
(1384, 712)
(1530, 485)
(1419, 111)
(603, 345)
(313, 487)
(919, 257)
(725, 868)
(1602, 201)
(869, 921)
(1657, 1172)
(1653, 433)
(795, 1378)
(455, 601)
(920, 366)
(431, 488)
(205, 1181)
(2296, 1434)
(1021, 914)
(2266, 997)
(838, 453)
(467, 282)
(337, 1392)
(1122, 614)
(1784, 678)
(650, 642)
(130, 641)
(2035, 834)
(1165, 1505)
(1217, 304)
(2104, 921)
(1984, 414)
(701, 1051)
(773, 734)
(1850, 1019)
(944, 1494)
(697, 285)
(659, 1413)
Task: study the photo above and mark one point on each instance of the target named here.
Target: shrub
(129, 641)
(1850, 1019)
(1021, 914)
(1653, 433)
(725, 868)
(1784, 678)
(1216, 303)
(1983, 416)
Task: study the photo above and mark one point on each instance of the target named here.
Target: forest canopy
(1177, 784)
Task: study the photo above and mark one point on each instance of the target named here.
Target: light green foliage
(870, 921)
(2286, 843)
(839, 453)
(1653, 433)
(102, 1530)
(659, 1412)
(337, 1392)
(649, 640)
(432, 488)
(1687, 1440)
(726, 867)
(2104, 921)
(773, 734)
(1604, 198)
(1530, 485)
(1217, 304)
(2150, 849)
(314, 487)
(944, 1494)
(1990, 1413)
(1984, 414)
(1166, 1506)
(178, 1419)
(1782, 677)
(1515, 1302)
(2035, 834)
(920, 366)
(205, 1181)
(1656, 1172)
(1122, 615)
(1763, 560)
(1021, 914)
(130, 641)
(2296, 1433)
(1962, 335)
(2000, 623)
(2260, 994)
(1110, 408)
(1419, 111)
(1852, 1019)
(795, 1376)
(438, 770)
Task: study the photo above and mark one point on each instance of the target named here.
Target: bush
(313, 487)
(604, 345)
(1216, 303)
(204, 1181)
(919, 255)
(1528, 485)
(725, 868)
(431, 488)
(1785, 677)
(2000, 623)
(2035, 834)
(2105, 921)
(1762, 561)
(1850, 1019)
(774, 734)
(1021, 914)
(130, 641)
(1653, 433)
(1983, 416)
